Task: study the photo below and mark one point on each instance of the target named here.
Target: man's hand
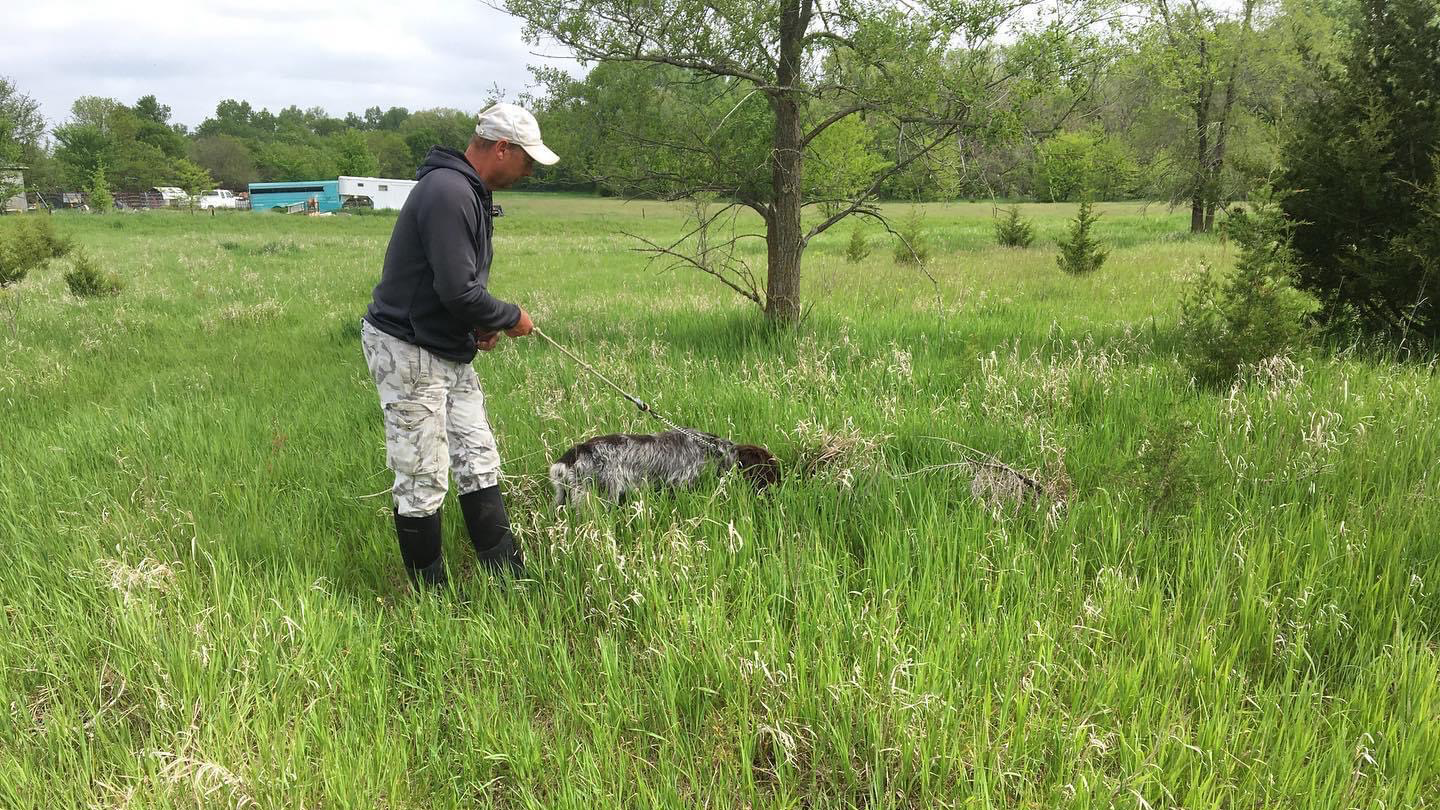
(522, 327)
(485, 341)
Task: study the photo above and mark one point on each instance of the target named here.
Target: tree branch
(861, 200)
(729, 270)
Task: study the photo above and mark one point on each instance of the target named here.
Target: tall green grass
(203, 605)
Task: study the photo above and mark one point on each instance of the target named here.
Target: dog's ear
(758, 465)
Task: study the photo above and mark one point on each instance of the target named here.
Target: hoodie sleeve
(448, 222)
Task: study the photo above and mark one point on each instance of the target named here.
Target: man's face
(512, 163)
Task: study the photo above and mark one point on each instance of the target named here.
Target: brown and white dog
(620, 463)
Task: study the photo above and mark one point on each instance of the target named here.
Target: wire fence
(137, 201)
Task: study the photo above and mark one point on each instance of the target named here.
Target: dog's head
(760, 467)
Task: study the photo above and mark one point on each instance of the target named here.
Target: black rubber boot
(420, 548)
(490, 531)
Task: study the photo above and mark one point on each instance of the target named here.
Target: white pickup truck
(219, 198)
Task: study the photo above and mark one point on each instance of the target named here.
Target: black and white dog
(620, 463)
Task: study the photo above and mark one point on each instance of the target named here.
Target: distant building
(13, 178)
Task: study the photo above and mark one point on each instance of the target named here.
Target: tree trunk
(782, 283)
(1217, 160)
(782, 226)
(1203, 94)
(1199, 196)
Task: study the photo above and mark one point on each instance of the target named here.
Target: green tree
(1202, 60)
(234, 118)
(857, 248)
(194, 179)
(80, 149)
(1083, 164)
(1361, 166)
(94, 111)
(352, 154)
(136, 161)
(151, 122)
(1081, 253)
(21, 126)
(437, 127)
(138, 149)
(282, 160)
(21, 131)
(100, 199)
(391, 120)
(391, 154)
(912, 246)
(840, 162)
(1014, 230)
(1255, 312)
(763, 82)
(225, 157)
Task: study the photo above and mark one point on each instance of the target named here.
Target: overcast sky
(343, 55)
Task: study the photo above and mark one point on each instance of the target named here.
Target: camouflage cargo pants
(434, 413)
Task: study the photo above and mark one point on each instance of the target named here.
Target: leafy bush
(26, 245)
(1013, 231)
(1254, 313)
(87, 280)
(858, 248)
(912, 246)
(1080, 252)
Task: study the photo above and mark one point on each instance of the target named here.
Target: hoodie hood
(441, 157)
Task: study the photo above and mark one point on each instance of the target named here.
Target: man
(430, 312)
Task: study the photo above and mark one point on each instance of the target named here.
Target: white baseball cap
(515, 124)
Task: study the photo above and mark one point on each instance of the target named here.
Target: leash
(634, 400)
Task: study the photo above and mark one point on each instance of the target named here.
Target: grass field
(1238, 605)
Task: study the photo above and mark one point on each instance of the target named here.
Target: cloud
(343, 55)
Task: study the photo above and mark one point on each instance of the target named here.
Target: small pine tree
(1080, 252)
(86, 280)
(100, 199)
(858, 248)
(1254, 313)
(1013, 230)
(912, 246)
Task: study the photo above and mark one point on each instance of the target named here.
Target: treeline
(1182, 102)
(137, 146)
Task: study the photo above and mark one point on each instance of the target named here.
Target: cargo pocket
(414, 438)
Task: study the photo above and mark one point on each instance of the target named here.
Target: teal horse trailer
(325, 193)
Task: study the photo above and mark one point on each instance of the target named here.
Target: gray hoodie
(432, 292)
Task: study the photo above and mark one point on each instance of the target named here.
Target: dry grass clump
(836, 454)
(133, 581)
(258, 313)
(1003, 489)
